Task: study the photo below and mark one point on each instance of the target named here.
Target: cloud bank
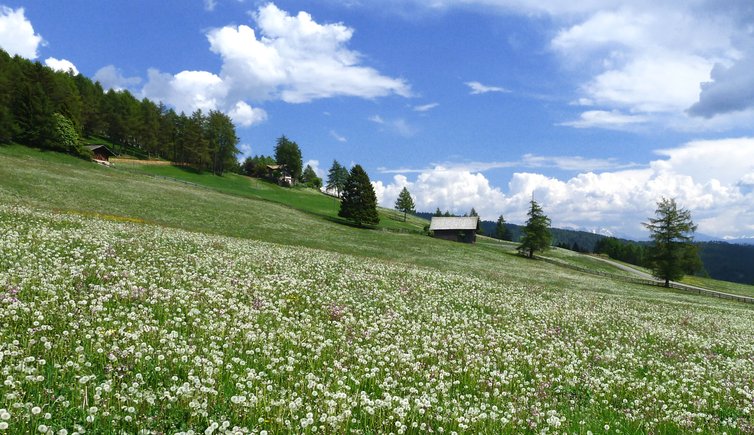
(711, 178)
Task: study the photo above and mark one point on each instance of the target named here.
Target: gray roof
(454, 223)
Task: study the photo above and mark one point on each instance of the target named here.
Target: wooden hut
(457, 229)
(100, 153)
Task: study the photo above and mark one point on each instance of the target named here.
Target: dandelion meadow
(115, 326)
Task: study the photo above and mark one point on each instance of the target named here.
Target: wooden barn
(100, 153)
(457, 229)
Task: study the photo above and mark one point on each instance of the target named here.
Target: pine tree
(501, 230)
(536, 232)
(437, 213)
(671, 231)
(310, 178)
(359, 203)
(405, 203)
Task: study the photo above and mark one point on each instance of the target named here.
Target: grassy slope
(588, 348)
(242, 207)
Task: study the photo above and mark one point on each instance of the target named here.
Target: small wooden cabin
(457, 229)
(100, 153)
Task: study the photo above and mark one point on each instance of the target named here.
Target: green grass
(150, 303)
(299, 198)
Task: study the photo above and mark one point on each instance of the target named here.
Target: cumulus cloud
(245, 115)
(61, 65)
(731, 89)
(17, 35)
(711, 178)
(289, 58)
(478, 88)
(187, 90)
(111, 77)
(296, 59)
(625, 59)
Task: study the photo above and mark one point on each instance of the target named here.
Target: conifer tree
(405, 203)
(672, 252)
(501, 230)
(359, 203)
(536, 232)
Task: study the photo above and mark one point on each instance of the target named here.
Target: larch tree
(359, 202)
(536, 233)
(405, 203)
(672, 250)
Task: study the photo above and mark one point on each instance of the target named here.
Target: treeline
(288, 166)
(49, 109)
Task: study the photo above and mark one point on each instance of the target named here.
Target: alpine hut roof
(100, 149)
(454, 223)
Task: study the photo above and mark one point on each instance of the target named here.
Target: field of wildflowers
(115, 326)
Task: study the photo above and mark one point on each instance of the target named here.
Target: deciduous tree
(288, 153)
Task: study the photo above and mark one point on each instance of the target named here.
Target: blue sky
(596, 109)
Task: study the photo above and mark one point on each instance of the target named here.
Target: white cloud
(111, 77)
(17, 35)
(246, 116)
(210, 5)
(61, 65)
(244, 151)
(528, 161)
(288, 58)
(606, 119)
(667, 62)
(317, 170)
(188, 90)
(425, 107)
(296, 59)
(337, 136)
(478, 88)
(711, 178)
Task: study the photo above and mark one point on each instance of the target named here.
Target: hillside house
(280, 174)
(457, 229)
(100, 153)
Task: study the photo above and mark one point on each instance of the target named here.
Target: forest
(49, 109)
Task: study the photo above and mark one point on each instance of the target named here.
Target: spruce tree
(536, 232)
(288, 153)
(501, 230)
(359, 202)
(336, 178)
(671, 253)
(405, 203)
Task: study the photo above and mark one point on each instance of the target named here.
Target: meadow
(146, 306)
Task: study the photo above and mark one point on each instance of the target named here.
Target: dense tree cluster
(50, 109)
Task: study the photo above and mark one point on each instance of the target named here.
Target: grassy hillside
(130, 302)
